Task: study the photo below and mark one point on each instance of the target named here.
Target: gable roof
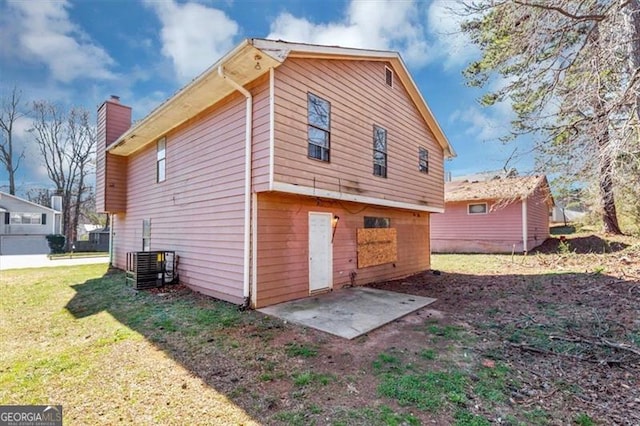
(248, 61)
(503, 189)
(22, 200)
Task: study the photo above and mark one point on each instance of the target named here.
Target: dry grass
(81, 338)
(100, 370)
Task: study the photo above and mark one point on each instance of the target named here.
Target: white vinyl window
(161, 159)
(423, 160)
(479, 208)
(319, 133)
(146, 234)
(379, 152)
(27, 219)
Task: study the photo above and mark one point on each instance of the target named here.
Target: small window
(379, 151)
(423, 160)
(319, 116)
(26, 218)
(480, 208)
(161, 160)
(146, 234)
(388, 75)
(377, 222)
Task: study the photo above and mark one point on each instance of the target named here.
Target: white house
(24, 225)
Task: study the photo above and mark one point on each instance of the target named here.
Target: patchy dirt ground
(551, 338)
(548, 338)
(566, 320)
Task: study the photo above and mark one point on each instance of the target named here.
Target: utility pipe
(247, 184)
(525, 225)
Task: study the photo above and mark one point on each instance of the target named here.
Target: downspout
(525, 225)
(246, 292)
(110, 240)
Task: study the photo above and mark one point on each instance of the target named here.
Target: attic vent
(388, 76)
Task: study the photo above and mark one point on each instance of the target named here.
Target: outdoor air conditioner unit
(149, 269)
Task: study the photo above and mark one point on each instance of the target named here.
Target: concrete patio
(349, 312)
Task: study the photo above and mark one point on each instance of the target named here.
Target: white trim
(254, 249)
(291, 47)
(486, 208)
(525, 225)
(6, 194)
(246, 282)
(272, 130)
(323, 193)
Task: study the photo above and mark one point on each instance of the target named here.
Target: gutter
(525, 226)
(111, 240)
(246, 287)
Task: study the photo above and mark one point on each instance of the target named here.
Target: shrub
(56, 243)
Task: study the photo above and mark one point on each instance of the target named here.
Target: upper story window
(423, 160)
(27, 219)
(161, 160)
(379, 151)
(319, 116)
(480, 208)
(388, 75)
(377, 222)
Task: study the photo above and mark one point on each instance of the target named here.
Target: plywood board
(377, 246)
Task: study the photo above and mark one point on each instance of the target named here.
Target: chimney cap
(115, 98)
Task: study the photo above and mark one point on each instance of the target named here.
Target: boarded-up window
(377, 222)
(377, 246)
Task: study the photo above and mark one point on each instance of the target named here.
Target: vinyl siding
(282, 245)
(359, 99)
(457, 231)
(537, 219)
(260, 154)
(198, 210)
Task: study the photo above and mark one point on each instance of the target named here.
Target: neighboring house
(494, 216)
(25, 225)
(283, 170)
(563, 215)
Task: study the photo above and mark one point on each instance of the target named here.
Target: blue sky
(81, 52)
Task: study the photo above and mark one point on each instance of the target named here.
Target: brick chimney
(113, 120)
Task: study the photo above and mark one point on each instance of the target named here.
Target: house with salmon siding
(284, 170)
(496, 215)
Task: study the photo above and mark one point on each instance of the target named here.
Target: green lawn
(80, 337)
(61, 344)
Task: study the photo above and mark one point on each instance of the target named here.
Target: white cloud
(485, 125)
(193, 36)
(451, 44)
(384, 24)
(45, 34)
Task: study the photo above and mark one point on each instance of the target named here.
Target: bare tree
(10, 111)
(66, 141)
(571, 71)
(40, 196)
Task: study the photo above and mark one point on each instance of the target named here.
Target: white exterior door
(320, 252)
